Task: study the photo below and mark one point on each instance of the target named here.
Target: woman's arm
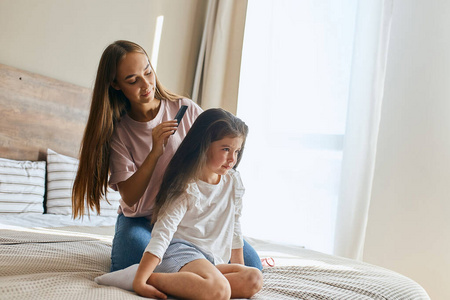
(145, 270)
(134, 187)
(237, 256)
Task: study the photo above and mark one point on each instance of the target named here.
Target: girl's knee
(222, 290)
(218, 288)
(254, 281)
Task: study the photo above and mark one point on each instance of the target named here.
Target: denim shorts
(178, 254)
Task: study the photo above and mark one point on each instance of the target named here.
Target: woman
(130, 137)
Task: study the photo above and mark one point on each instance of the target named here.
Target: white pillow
(61, 172)
(22, 186)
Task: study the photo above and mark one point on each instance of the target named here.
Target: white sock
(122, 279)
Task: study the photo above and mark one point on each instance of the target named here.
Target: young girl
(129, 141)
(197, 212)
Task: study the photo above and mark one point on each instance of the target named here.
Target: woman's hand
(161, 134)
(134, 187)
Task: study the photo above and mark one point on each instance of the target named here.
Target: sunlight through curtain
(372, 33)
(297, 82)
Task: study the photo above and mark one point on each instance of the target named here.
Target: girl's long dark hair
(188, 161)
(107, 107)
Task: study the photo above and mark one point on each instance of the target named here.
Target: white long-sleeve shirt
(206, 215)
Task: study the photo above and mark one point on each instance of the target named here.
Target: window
(293, 93)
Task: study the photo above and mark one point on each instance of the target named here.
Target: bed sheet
(56, 262)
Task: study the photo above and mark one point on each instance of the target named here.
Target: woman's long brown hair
(188, 161)
(107, 107)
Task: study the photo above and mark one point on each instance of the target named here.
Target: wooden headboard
(38, 112)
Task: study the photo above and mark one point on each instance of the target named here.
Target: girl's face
(221, 157)
(136, 79)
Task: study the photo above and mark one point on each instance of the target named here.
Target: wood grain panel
(38, 112)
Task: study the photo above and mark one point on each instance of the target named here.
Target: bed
(44, 254)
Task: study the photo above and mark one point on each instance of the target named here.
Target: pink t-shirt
(132, 142)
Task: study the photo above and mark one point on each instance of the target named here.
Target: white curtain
(373, 25)
(310, 89)
(217, 75)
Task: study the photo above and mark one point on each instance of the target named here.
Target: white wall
(65, 39)
(409, 218)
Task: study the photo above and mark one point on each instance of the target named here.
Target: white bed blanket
(52, 264)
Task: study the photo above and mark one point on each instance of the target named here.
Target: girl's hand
(161, 134)
(141, 282)
(147, 290)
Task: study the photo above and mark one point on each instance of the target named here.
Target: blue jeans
(133, 235)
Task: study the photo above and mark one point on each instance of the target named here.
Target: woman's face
(136, 79)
